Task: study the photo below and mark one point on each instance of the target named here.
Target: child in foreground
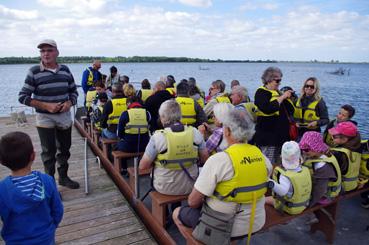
(324, 168)
(30, 204)
(291, 183)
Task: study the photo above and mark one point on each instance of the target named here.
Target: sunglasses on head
(309, 86)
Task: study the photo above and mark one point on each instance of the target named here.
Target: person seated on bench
(97, 110)
(292, 183)
(364, 170)
(216, 143)
(348, 153)
(112, 111)
(346, 113)
(224, 184)
(133, 130)
(174, 153)
(325, 171)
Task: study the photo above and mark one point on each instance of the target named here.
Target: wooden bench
(326, 215)
(105, 145)
(96, 136)
(132, 177)
(160, 202)
(119, 155)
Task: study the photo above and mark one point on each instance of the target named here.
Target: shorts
(190, 217)
(58, 120)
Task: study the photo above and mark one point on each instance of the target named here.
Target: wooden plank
(132, 238)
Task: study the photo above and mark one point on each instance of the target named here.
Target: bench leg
(105, 150)
(117, 164)
(327, 222)
(131, 182)
(159, 212)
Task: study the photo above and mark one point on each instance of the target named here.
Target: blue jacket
(96, 76)
(25, 220)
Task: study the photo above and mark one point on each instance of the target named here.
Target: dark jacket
(153, 104)
(271, 130)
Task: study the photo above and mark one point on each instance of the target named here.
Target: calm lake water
(336, 90)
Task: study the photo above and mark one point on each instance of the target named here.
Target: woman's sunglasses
(309, 86)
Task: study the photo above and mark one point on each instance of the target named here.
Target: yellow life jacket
(251, 109)
(328, 139)
(145, 93)
(181, 152)
(137, 121)
(364, 166)
(350, 179)
(187, 110)
(274, 96)
(90, 96)
(223, 99)
(250, 175)
(172, 91)
(119, 106)
(201, 102)
(334, 186)
(90, 79)
(309, 113)
(301, 184)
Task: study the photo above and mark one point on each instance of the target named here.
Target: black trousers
(55, 144)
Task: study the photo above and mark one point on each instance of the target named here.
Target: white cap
(291, 155)
(47, 42)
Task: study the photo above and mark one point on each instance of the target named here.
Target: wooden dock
(101, 217)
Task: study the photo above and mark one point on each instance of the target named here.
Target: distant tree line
(120, 59)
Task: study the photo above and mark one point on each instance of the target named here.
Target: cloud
(249, 6)
(197, 3)
(17, 14)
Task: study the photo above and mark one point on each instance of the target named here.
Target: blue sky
(237, 29)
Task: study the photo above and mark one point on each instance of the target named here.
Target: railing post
(137, 187)
(86, 168)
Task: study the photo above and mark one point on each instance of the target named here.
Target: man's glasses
(50, 50)
(277, 80)
(309, 86)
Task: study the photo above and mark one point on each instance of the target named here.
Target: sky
(215, 29)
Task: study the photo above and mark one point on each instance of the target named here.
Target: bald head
(96, 64)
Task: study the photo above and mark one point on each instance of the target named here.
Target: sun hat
(47, 42)
(291, 155)
(344, 128)
(313, 141)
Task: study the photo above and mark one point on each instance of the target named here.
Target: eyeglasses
(50, 50)
(309, 86)
(338, 136)
(277, 80)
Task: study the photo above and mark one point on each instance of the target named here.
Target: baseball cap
(47, 42)
(344, 128)
(291, 155)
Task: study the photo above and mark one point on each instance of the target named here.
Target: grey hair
(240, 125)
(117, 88)
(221, 111)
(170, 112)
(219, 84)
(159, 85)
(241, 91)
(269, 74)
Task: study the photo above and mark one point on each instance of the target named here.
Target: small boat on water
(341, 71)
(204, 68)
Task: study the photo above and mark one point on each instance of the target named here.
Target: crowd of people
(223, 149)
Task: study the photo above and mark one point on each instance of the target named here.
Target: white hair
(240, 125)
(241, 91)
(170, 112)
(221, 110)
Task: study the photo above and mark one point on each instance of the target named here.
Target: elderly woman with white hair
(174, 153)
(229, 184)
(216, 142)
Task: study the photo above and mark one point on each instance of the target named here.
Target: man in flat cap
(49, 87)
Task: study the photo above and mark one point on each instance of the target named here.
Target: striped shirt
(30, 185)
(48, 86)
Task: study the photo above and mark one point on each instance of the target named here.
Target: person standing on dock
(49, 87)
(91, 75)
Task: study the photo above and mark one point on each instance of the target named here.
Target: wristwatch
(270, 184)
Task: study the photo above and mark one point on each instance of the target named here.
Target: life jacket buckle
(163, 162)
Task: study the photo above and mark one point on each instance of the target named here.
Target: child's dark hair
(349, 109)
(15, 150)
(145, 84)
